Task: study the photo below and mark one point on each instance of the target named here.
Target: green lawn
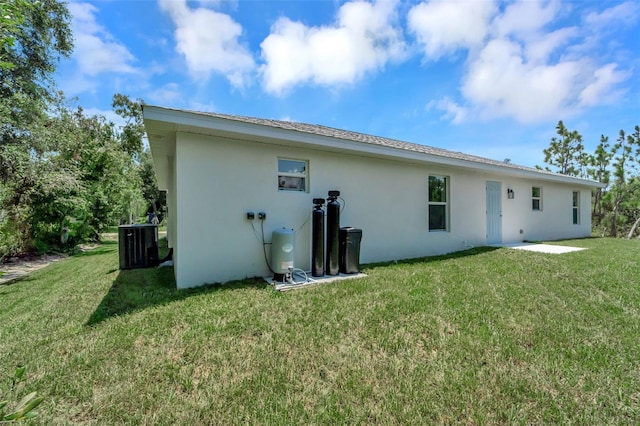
(486, 336)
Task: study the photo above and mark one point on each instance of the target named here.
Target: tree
(37, 39)
(61, 171)
(37, 34)
(567, 152)
(132, 132)
(599, 171)
(108, 172)
(623, 151)
(79, 182)
(131, 140)
(622, 198)
(154, 198)
(616, 206)
(12, 16)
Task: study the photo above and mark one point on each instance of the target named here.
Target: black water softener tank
(317, 238)
(350, 250)
(333, 233)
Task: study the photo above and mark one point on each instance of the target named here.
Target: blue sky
(484, 77)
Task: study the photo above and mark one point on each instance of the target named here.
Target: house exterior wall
(172, 212)
(553, 221)
(216, 181)
(172, 229)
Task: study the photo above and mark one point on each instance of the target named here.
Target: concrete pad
(302, 281)
(541, 248)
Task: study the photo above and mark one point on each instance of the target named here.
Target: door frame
(493, 200)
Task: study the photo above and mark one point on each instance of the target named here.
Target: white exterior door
(494, 212)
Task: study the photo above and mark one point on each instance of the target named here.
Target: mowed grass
(486, 336)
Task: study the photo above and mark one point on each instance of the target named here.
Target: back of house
(409, 200)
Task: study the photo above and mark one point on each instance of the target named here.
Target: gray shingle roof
(316, 129)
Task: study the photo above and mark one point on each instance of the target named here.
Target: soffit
(163, 123)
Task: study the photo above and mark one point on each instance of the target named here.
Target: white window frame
(444, 203)
(283, 175)
(575, 210)
(538, 198)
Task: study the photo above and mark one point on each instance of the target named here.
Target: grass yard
(486, 336)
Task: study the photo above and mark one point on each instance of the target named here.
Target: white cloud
(167, 95)
(210, 42)
(95, 49)
(442, 27)
(452, 111)
(540, 46)
(603, 86)
(524, 18)
(520, 62)
(363, 39)
(625, 13)
(501, 83)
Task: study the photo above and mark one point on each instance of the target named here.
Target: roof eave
(216, 126)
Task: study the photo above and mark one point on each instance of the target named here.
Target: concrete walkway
(541, 248)
(18, 268)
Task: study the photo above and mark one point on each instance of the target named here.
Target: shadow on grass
(137, 289)
(455, 255)
(590, 237)
(17, 280)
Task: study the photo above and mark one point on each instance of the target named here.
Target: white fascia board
(210, 125)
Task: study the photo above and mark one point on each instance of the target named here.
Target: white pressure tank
(282, 250)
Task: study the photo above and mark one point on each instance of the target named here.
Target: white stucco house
(410, 200)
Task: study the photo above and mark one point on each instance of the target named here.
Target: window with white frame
(292, 175)
(438, 204)
(536, 198)
(576, 208)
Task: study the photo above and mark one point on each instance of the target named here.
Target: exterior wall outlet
(262, 215)
(251, 215)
